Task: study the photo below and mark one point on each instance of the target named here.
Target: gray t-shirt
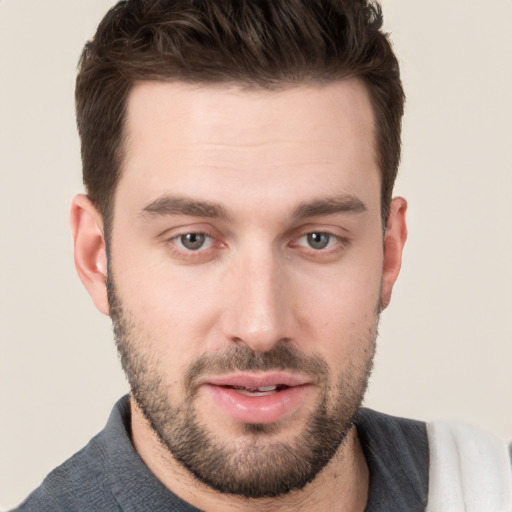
(108, 474)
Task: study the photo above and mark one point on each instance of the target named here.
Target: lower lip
(258, 409)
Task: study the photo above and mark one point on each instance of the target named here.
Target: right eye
(193, 242)
(318, 240)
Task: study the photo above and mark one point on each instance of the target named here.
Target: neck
(347, 473)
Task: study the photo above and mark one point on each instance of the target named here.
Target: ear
(90, 250)
(394, 241)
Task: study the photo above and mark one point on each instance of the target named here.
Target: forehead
(216, 140)
(325, 112)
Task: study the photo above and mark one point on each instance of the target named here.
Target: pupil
(192, 240)
(318, 240)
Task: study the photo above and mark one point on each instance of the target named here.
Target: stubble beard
(252, 465)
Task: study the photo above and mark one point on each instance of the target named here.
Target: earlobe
(394, 241)
(90, 250)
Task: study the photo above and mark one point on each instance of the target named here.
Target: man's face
(246, 257)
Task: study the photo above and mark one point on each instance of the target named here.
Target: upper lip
(258, 380)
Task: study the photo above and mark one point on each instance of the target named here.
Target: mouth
(258, 391)
(258, 398)
(263, 381)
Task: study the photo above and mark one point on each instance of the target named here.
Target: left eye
(317, 240)
(194, 241)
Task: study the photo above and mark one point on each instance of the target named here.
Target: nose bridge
(258, 316)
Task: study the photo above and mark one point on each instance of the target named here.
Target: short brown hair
(263, 43)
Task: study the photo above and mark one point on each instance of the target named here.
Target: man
(239, 228)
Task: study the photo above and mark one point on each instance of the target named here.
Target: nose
(259, 312)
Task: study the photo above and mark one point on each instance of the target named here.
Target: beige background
(446, 341)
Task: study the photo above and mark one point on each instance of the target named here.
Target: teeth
(267, 388)
(254, 392)
(261, 391)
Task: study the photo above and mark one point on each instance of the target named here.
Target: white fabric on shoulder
(470, 469)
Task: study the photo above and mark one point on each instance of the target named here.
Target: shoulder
(83, 481)
(440, 465)
(107, 474)
(391, 435)
(397, 454)
(468, 467)
(75, 484)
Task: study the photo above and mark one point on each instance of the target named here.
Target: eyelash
(334, 245)
(179, 239)
(330, 238)
(176, 245)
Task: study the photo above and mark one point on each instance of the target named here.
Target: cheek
(340, 311)
(178, 307)
(173, 306)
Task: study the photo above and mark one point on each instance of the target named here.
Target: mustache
(281, 357)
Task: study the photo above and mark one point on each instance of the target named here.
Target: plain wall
(445, 346)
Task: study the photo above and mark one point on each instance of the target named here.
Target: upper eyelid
(339, 238)
(292, 236)
(336, 231)
(192, 251)
(191, 232)
(198, 232)
(319, 226)
(177, 231)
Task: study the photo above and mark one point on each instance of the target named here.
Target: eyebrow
(176, 205)
(330, 206)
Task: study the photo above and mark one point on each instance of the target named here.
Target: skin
(259, 156)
